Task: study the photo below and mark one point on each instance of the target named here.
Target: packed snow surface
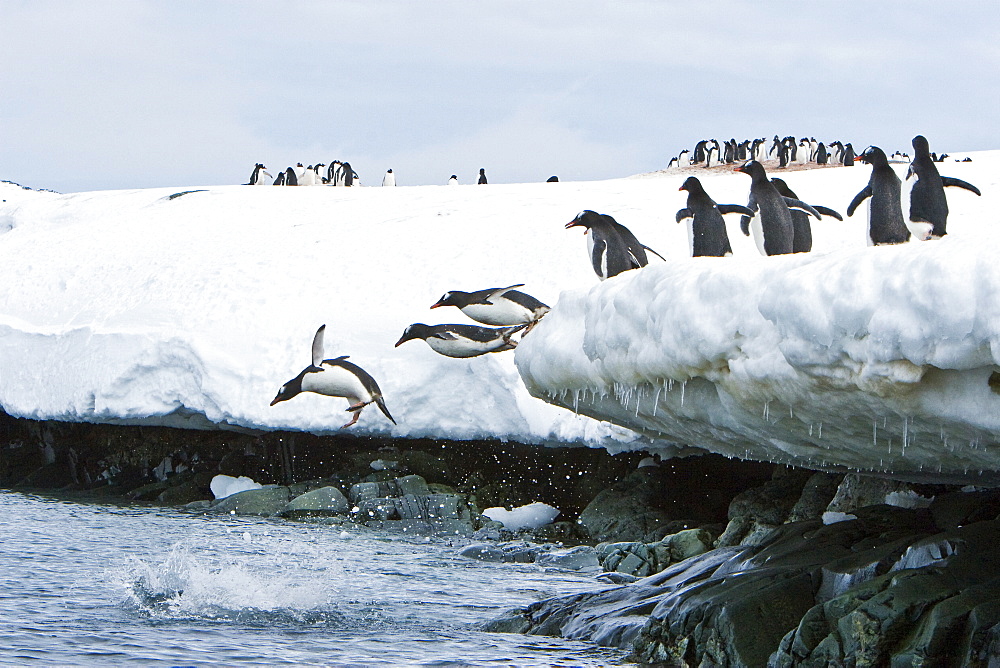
(153, 306)
(530, 516)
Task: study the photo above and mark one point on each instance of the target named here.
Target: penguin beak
(857, 158)
(277, 399)
(572, 223)
(434, 306)
(402, 340)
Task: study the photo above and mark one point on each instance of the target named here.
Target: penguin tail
(385, 411)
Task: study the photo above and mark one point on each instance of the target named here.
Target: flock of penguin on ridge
(778, 220)
(337, 173)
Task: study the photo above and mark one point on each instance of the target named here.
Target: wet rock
(629, 558)
(194, 487)
(754, 513)
(318, 502)
(582, 557)
(955, 509)
(629, 510)
(264, 502)
(816, 496)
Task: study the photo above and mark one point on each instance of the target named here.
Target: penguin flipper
(655, 253)
(499, 292)
(865, 193)
(317, 346)
(335, 360)
(381, 406)
(745, 225)
(734, 208)
(684, 213)
(801, 206)
(827, 212)
(949, 181)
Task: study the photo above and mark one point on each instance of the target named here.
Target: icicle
(656, 400)
(683, 385)
(576, 401)
(810, 430)
(906, 433)
(790, 413)
(820, 430)
(874, 431)
(767, 409)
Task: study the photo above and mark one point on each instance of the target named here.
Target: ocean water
(89, 584)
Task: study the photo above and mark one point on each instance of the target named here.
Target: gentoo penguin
(280, 181)
(772, 227)
(673, 164)
(707, 235)
(453, 181)
(699, 152)
(612, 246)
(389, 179)
(711, 156)
(260, 177)
(802, 241)
(552, 179)
(885, 211)
(499, 307)
(822, 157)
(308, 177)
(461, 340)
(335, 378)
(290, 178)
(482, 176)
(849, 155)
(928, 204)
(333, 173)
(348, 174)
(684, 158)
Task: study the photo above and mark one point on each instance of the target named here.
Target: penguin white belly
(463, 347)
(690, 230)
(335, 381)
(757, 230)
(503, 313)
(603, 273)
(868, 224)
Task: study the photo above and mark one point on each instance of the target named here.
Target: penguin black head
(288, 390)
(874, 156)
(692, 185)
(586, 219)
(782, 187)
(753, 169)
(920, 145)
(417, 330)
(390, 171)
(447, 299)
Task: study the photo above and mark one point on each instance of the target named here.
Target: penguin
(836, 150)
(612, 246)
(775, 144)
(461, 340)
(772, 227)
(335, 378)
(822, 157)
(707, 235)
(308, 177)
(711, 154)
(699, 152)
(552, 179)
(673, 164)
(802, 155)
(389, 179)
(684, 158)
(742, 150)
(257, 178)
(290, 178)
(849, 155)
(453, 181)
(499, 307)
(802, 239)
(348, 174)
(885, 211)
(928, 204)
(783, 155)
(333, 173)
(757, 148)
(482, 176)
(280, 181)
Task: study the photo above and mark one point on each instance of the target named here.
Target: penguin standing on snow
(389, 179)
(290, 178)
(257, 178)
(349, 174)
(707, 235)
(802, 241)
(612, 246)
(928, 204)
(453, 181)
(885, 210)
(482, 176)
(335, 378)
(499, 307)
(772, 226)
(461, 340)
(280, 181)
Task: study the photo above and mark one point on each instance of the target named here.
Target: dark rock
(754, 513)
(955, 509)
(817, 494)
(631, 509)
(264, 502)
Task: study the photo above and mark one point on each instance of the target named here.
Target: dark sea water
(86, 584)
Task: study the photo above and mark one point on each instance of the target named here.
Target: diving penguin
(461, 340)
(335, 378)
(499, 307)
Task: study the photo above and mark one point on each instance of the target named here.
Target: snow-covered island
(190, 307)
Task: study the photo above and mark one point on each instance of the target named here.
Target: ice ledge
(870, 359)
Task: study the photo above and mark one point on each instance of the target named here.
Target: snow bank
(531, 516)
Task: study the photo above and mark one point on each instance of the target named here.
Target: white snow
(530, 516)
(130, 306)
(226, 485)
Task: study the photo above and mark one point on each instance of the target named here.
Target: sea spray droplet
(247, 537)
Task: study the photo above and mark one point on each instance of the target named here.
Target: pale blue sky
(141, 93)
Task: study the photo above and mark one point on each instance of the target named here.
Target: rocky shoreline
(708, 561)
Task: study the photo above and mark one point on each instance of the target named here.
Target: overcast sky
(141, 93)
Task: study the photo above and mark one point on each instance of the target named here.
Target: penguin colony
(337, 173)
(778, 219)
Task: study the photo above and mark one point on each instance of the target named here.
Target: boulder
(265, 502)
(631, 509)
(318, 502)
